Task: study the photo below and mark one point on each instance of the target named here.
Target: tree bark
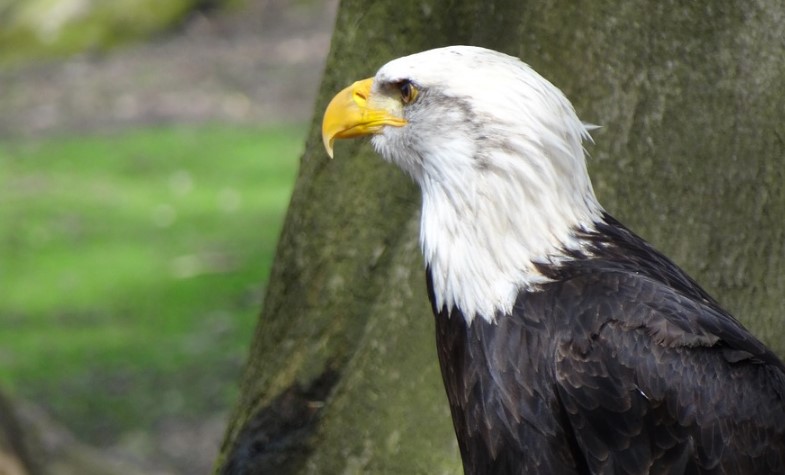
(342, 376)
(15, 458)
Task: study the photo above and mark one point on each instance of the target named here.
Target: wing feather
(660, 381)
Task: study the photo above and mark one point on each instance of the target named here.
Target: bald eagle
(567, 344)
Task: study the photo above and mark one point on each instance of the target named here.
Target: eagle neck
(487, 229)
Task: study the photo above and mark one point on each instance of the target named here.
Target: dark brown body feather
(622, 365)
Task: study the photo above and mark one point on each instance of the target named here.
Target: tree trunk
(342, 376)
(15, 456)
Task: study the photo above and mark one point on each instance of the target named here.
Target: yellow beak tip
(328, 138)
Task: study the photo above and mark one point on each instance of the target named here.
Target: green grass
(132, 267)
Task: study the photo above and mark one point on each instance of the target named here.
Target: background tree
(342, 376)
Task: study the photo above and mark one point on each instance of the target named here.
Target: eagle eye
(408, 91)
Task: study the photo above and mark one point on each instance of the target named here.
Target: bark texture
(15, 458)
(342, 376)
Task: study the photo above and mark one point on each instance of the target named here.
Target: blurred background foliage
(147, 154)
(34, 29)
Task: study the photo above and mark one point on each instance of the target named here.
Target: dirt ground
(260, 64)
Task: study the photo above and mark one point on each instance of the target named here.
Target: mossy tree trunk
(342, 376)
(15, 458)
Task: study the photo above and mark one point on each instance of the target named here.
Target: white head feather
(497, 151)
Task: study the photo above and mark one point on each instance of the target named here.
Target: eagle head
(497, 151)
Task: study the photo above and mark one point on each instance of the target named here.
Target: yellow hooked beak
(354, 113)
